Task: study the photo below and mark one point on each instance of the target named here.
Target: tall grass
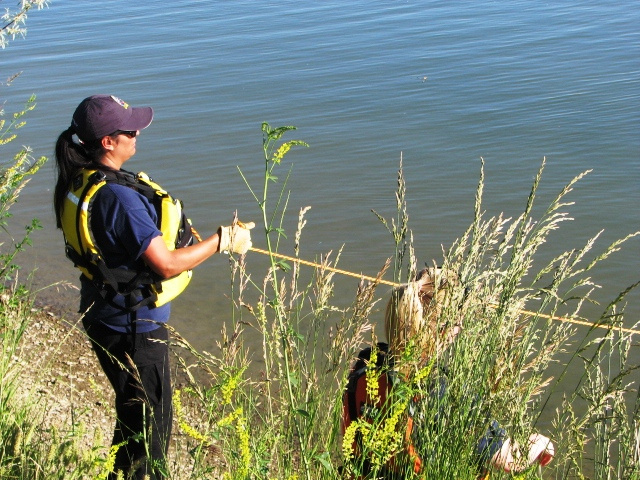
(275, 412)
(280, 418)
(30, 446)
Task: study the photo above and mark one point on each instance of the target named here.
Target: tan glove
(236, 238)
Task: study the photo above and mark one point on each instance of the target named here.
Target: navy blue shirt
(123, 223)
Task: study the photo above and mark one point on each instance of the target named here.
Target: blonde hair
(412, 313)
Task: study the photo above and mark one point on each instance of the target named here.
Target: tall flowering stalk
(273, 218)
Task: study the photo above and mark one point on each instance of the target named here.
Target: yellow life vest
(82, 249)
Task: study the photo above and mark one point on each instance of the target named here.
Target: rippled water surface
(440, 85)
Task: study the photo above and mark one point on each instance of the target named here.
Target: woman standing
(133, 245)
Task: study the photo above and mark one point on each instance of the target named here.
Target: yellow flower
(110, 462)
(281, 152)
(229, 419)
(242, 431)
(381, 443)
(372, 374)
(243, 439)
(391, 437)
(347, 440)
(184, 426)
(177, 403)
(423, 372)
(229, 386)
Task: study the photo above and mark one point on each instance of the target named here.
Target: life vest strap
(116, 281)
(138, 282)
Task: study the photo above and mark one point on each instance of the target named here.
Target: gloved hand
(236, 238)
(541, 449)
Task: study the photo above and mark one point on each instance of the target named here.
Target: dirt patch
(59, 370)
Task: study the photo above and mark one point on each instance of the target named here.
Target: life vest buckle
(97, 177)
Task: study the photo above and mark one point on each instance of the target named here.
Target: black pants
(143, 397)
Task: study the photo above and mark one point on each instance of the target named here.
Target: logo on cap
(120, 102)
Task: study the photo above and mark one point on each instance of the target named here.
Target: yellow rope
(394, 284)
(324, 267)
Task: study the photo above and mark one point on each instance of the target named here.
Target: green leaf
(278, 132)
(274, 302)
(293, 379)
(280, 232)
(303, 413)
(325, 461)
(297, 335)
(284, 266)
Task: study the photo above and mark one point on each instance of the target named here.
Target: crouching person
(410, 375)
(427, 315)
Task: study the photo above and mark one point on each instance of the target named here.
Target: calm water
(441, 84)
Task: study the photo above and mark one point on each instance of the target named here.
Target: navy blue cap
(100, 115)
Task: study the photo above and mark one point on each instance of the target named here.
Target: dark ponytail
(71, 157)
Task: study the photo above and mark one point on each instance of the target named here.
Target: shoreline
(59, 371)
(60, 374)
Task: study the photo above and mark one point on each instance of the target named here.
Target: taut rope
(630, 331)
(394, 284)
